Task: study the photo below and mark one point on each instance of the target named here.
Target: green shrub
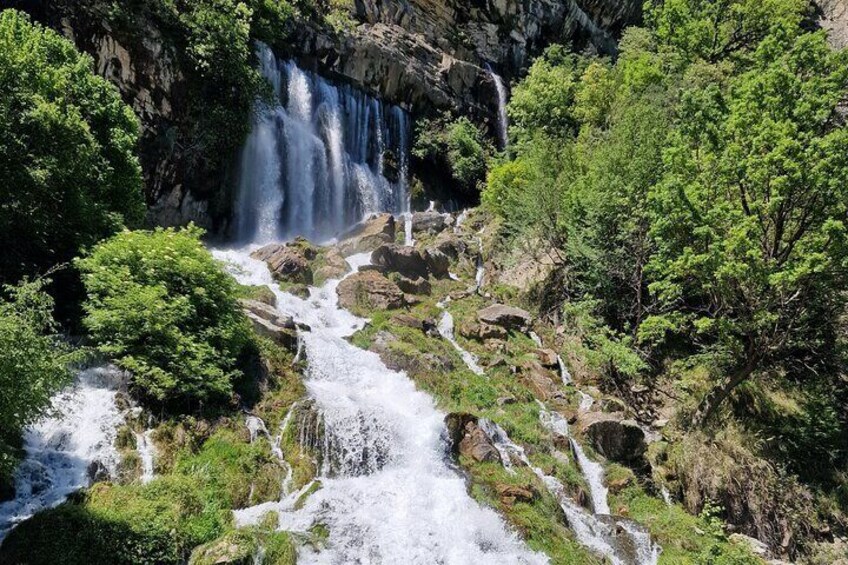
(459, 144)
(154, 524)
(33, 363)
(67, 151)
(165, 310)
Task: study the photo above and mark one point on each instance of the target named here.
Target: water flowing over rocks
(387, 493)
(71, 449)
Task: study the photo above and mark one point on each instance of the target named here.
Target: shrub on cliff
(69, 171)
(160, 305)
(457, 145)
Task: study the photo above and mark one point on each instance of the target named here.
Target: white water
(586, 401)
(481, 267)
(621, 541)
(147, 452)
(315, 161)
(388, 494)
(446, 330)
(59, 448)
(564, 374)
(503, 121)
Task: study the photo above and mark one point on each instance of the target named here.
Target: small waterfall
(620, 540)
(445, 328)
(481, 266)
(388, 494)
(503, 121)
(564, 374)
(586, 401)
(66, 451)
(147, 452)
(318, 159)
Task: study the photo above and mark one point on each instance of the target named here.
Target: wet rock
(437, 262)
(619, 440)
(430, 222)
(270, 323)
(407, 261)
(414, 286)
(369, 290)
(267, 313)
(508, 317)
(97, 472)
(510, 494)
(289, 262)
(334, 266)
(468, 439)
(451, 245)
(368, 235)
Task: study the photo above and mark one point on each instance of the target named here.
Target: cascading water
(446, 330)
(318, 158)
(621, 541)
(64, 451)
(146, 452)
(503, 121)
(388, 493)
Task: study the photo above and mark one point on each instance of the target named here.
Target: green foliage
(67, 151)
(33, 363)
(695, 188)
(456, 143)
(158, 523)
(166, 311)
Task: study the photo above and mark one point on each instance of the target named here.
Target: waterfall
(503, 121)
(146, 452)
(318, 158)
(620, 540)
(445, 328)
(69, 448)
(388, 492)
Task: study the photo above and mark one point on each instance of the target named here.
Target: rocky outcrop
(289, 262)
(833, 18)
(507, 317)
(369, 290)
(468, 439)
(394, 258)
(267, 321)
(619, 440)
(368, 235)
(430, 222)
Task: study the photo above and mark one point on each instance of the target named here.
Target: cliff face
(426, 55)
(833, 18)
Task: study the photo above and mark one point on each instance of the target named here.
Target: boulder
(756, 547)
(619, 440)
(334, 265)
(451, 245)
(547, 357)
(539, 380)
(469, 439)
(284, 336)
(267, 313)
(368, 235)
(98, 472)
(369, 290)
(510, 494)
(230, 549)
(416, 286)
(407, 261)
(508, 317)
(437, 262)
(289, 262)
(430, 222)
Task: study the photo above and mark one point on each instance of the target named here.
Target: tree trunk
(709, 405)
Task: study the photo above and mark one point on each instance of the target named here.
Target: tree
(34, 364)
(749, 219)
(160, 305)
(69, 171)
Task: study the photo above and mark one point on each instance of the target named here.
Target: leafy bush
(457, 144)
(67, 151)
(33, 363)
(166, 311)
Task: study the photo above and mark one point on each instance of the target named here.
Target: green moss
(244, 545)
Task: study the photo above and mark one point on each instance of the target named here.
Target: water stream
(503, 121)
(388, 492)
(146, 452)
(69, 448)
(446, 330)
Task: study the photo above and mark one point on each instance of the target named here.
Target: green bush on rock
(161, 306)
